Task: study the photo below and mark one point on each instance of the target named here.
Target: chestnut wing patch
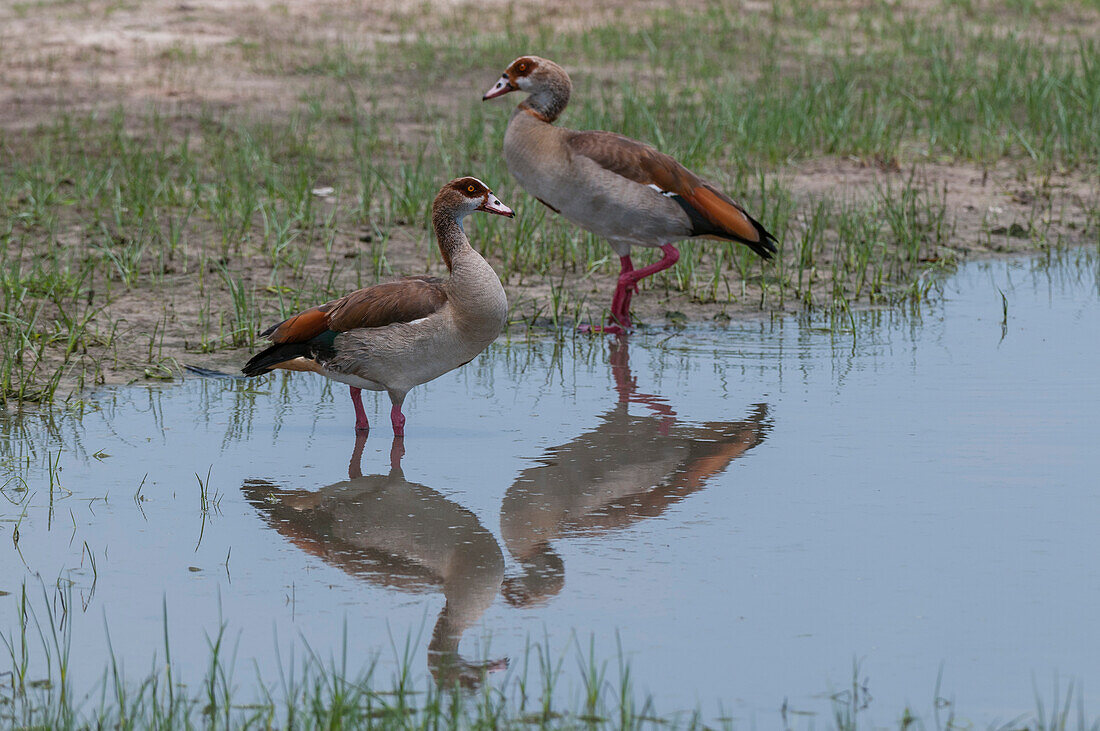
(312, 334)
(711, 211)
(301, 327)
(385, 304)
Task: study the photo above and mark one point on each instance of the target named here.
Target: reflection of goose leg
(397, 451)
(627, 385)
(355, 467)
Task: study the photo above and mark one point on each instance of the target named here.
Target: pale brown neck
(448, 234)
(551, 99)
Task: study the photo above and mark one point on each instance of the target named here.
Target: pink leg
(360, 413)
(672, 255)
(628, 283)
(398, 420)
(620, 303)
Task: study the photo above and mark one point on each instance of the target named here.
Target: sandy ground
(80, 55)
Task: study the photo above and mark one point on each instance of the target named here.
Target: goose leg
(629, 278)
(627, 285)
(361, 423)
(620, 302)
(672, 255)
(396, 417)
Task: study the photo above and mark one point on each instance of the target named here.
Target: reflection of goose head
(628, 468)
(542, 578)
(389, 531)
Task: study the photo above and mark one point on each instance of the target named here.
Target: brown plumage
(723, 217)
(404, 300)
(299, 328)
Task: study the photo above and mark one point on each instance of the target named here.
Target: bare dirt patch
(83, 55)
(999, 209)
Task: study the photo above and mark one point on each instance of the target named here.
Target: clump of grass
(43, 687)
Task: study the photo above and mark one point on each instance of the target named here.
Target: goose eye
(522, 68)
(470, 188)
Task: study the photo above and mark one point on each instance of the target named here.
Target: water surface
(745, 511)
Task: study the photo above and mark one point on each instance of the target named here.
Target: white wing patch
(665, 193)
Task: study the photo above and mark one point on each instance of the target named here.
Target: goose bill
(502, 87)
(492, 204)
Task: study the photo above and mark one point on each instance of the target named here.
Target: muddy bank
(116, 283)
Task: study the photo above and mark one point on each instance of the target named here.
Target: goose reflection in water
(626, 469)
(396, 533)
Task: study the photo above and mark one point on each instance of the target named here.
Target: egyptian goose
(628, 468)
(396, 335)
(401, 535)
(613, 186)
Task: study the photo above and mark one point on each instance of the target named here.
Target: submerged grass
(42, 689)
(129, 238)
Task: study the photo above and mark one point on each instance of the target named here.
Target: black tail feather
(267, 359)
(765, 248)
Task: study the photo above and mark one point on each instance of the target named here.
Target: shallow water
(745, 511)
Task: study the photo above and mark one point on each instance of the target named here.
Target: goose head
(528, 73)
(463, 196)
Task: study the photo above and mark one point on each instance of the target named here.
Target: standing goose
(613, 186)
(396, 335)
